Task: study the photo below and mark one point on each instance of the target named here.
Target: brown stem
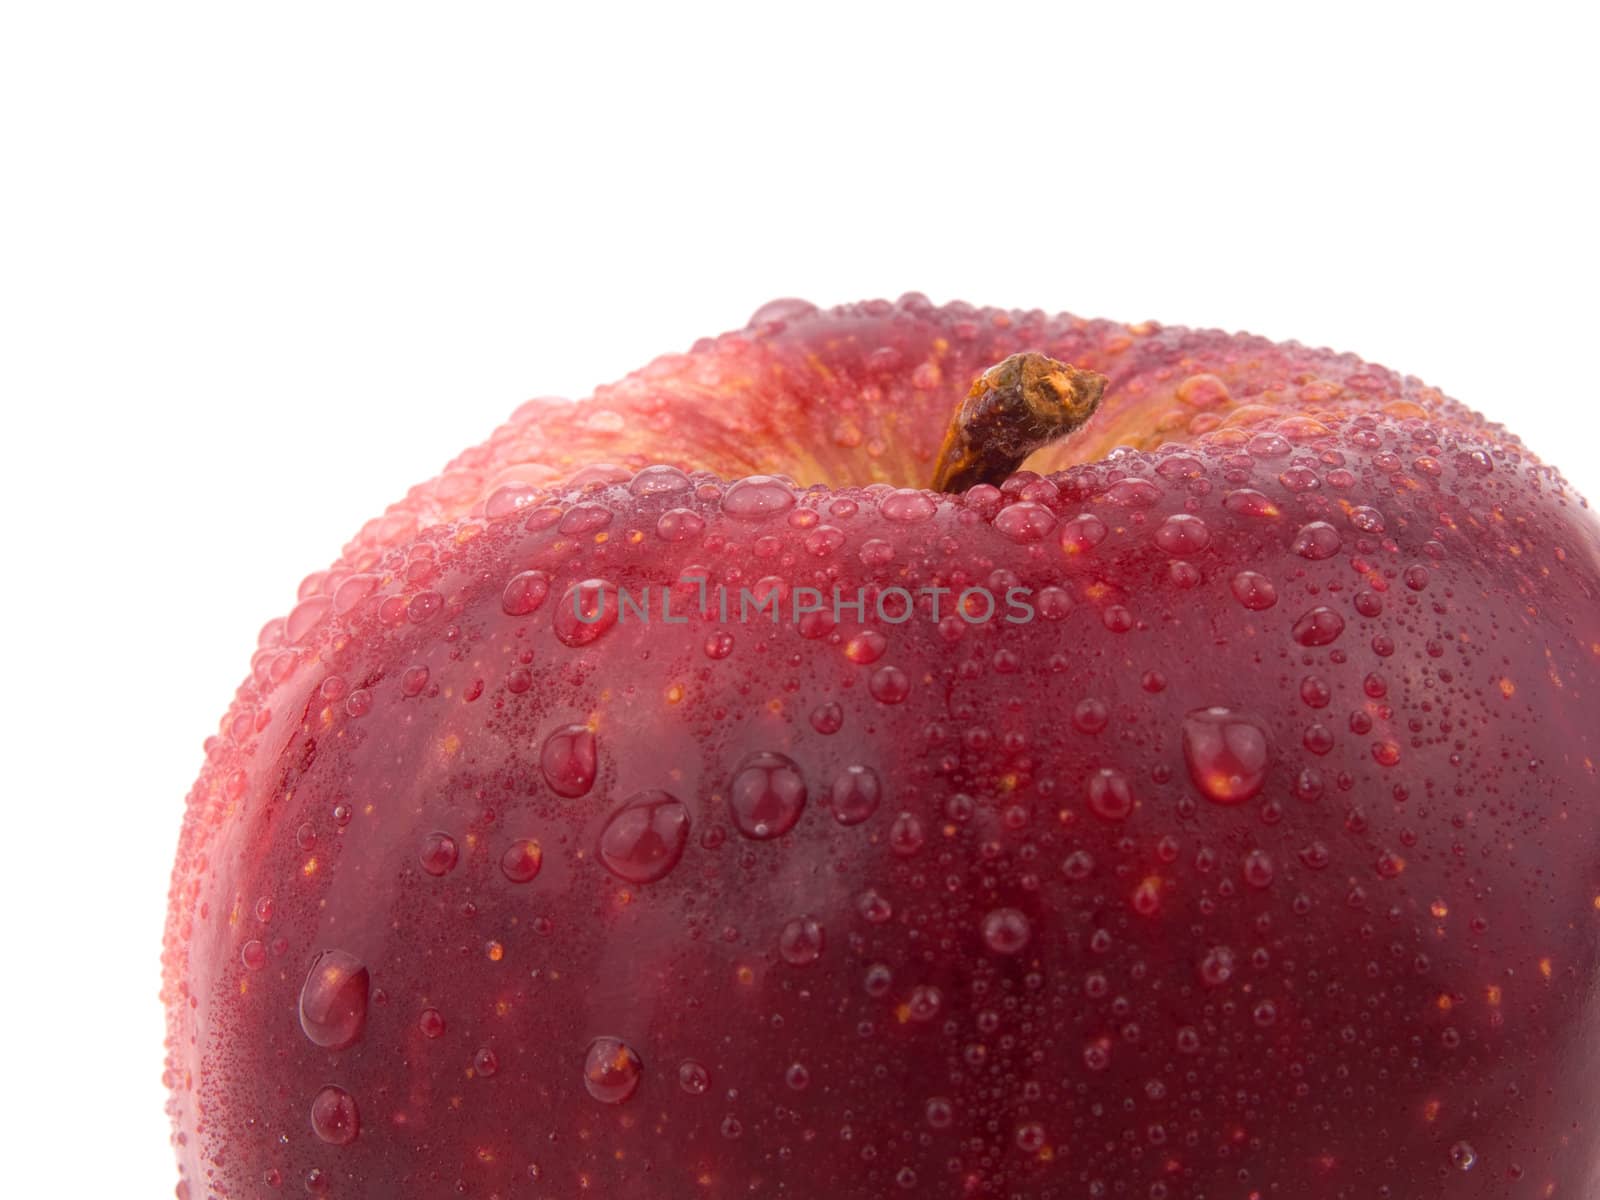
(1017, 406)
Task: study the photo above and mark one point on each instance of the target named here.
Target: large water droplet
(333, 1000)
(757, 496)
(334, 1117)
(1226, 753)
(767, 795)
(645, 838)
(568, 760)
(855, 795)
(611, 1070)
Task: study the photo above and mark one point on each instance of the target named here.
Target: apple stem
(1017, 406)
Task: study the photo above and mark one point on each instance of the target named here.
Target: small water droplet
(611, 1070)
(693, 1078)
(1317, 541)
(827, 718)
(438, 854)
(802, 941)
(906, 835)
(1082, 534)
(757, 496)
(1182, 534)
(1110, 797)
(855, 795)
(1254, 590)
(568, 760)
(1216, 966)
(586, 611)
(524, 593)
(1319, 627)
(334, 1117)
(679, 525)
(431, 1023)
(1024, 522)
(1006, 931)
(522, 860)
(1226, 753)
(333, 1000)
(645, 838)
(659, 480)
(908, 505)
(1258, 870)
(1463, 1157)
(767, 795)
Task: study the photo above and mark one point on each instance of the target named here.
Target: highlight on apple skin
(681, 797)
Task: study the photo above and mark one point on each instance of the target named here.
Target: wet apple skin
(1429, 969)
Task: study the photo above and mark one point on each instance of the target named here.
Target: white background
(263, 267)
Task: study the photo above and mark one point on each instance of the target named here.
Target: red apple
(1230, 831)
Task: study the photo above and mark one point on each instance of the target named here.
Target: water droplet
(1319, 627)
(1109, 796)
(1097, 1054)
(1090, 716)
(522, 860)
(1258, 869)
(438, 854)
(1226, 753)
(645, 838)
(889, 685)
(586, 611)
(905, 835)
(908, 505)
(431, 1023)
(611, 1070)
(1132, 493)
(333, 1000)
(767, 795)
(1247, 502)
(1006, 931)
(1315, 856)
(1365, 519)
(855, 795)
(797, 1077)
(1078, 866)
(1254, 590)
(757, 497)
(1317, 541)
(1024, 522)
(253, 954)
(679, 525)
(693, 1077)
(801, 942)
(1181, 534)
(1082, 534)
(485, 1063)
(924, 1003)
(334, 1117)
(1463, 1157)
(827, 718)
(568, 760)
(1216, 966)
(659, 480)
